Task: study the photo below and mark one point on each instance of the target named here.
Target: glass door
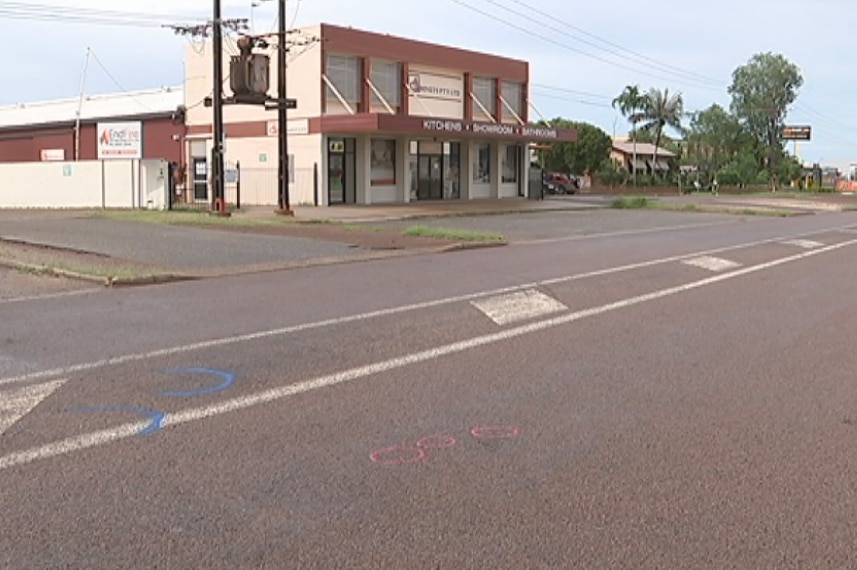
(341, 175)
(430, 177)
(200, 178)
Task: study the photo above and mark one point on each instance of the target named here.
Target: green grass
(191, 218)
(632, 202)
(453, 234)
(641, 202)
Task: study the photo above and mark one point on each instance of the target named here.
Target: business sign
(294, 126)
(797, 133)
(434, 86)
(52, 154)
(120, 140)
(531, 132)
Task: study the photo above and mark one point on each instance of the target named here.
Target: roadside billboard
(120, 140)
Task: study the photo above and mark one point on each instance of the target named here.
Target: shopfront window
(387, 79)
(383, 162)
(509, 166)
(344, 72)
(482, 163)
(513, 95)
(485, 92)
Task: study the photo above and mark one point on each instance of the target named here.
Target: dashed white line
(518, 306)
(85, 441)
(804, 243)
(711, 263)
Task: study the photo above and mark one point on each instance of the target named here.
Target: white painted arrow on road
(15, 404)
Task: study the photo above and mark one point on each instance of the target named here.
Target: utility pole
(217, 174)
(80, 105)
(215, 27)
(282, 114)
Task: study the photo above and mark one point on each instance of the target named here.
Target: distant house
(649, 159)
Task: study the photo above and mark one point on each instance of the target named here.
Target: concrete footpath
(143, 247)
(119, 248)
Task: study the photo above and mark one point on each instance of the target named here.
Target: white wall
(84, 184)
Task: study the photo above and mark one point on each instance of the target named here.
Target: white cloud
(704, 39)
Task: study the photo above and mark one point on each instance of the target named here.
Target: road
(678, 396)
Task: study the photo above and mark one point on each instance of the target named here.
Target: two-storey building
(379, 119)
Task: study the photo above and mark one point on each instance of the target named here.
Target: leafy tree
(715, 137)
(662, 110)
(611, 174)
(587, 155)
(762, 91)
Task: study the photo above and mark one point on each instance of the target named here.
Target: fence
(84, 184)
(260, 187)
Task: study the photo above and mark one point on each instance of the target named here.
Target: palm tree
(631, 103)
(662, 110)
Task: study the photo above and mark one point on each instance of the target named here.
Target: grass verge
(453, 234)
(641, 202)
(193, 218)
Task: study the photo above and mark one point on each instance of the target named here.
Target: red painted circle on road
(495, 432)
(436, 442)
(397, 455)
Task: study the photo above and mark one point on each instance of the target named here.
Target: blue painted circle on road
(227, 378)
(157, 418)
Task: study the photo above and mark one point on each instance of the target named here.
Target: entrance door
(341, 171)
(200, 179)
(430, 177)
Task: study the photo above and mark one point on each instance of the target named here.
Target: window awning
(639, 164)
(660, 165)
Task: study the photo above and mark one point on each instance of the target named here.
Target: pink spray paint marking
(496, 432)
(397, 455)
(436, 442)
(402, 454)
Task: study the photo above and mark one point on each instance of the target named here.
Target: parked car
(558, 183)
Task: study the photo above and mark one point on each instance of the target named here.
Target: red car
(558, 183)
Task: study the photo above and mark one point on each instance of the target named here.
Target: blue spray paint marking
(157, 417)
(228, 379)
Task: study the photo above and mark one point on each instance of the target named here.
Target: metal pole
(217, 187)
(282, 113)
(80, 106)
(634, 134)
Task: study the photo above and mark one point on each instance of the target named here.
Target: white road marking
(619, 233)
(17, 403)
(518, 306)
(711, 263)
(236, 339)
(51, 295)
(804, 243)
(85, 441)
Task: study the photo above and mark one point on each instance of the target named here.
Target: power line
(533, 33)
(65, 14)
(635, 54)
(112, 78)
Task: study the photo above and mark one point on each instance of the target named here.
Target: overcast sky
(581, 54)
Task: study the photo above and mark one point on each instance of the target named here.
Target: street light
(253, 5)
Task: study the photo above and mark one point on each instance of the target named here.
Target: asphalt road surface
(671, 397)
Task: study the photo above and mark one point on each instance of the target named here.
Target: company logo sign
(120, 140)
(431, 86)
